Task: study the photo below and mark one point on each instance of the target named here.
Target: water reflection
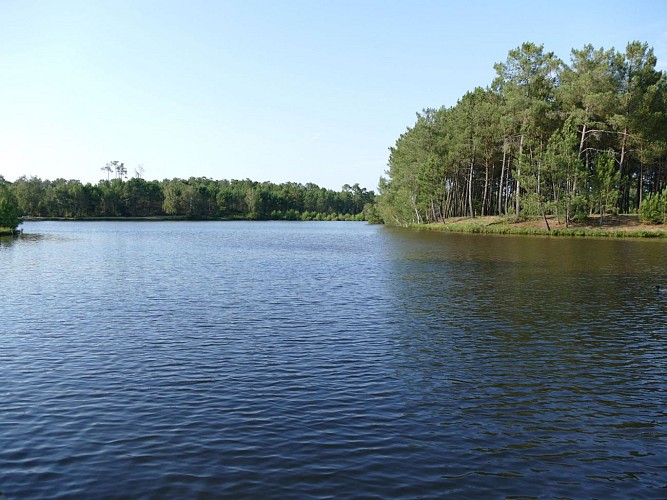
(6, 241)
(23, 238)
(546, 356)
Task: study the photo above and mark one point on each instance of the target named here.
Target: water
(310, 360)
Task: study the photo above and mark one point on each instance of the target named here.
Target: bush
(292, 214)
(579, 209)
(9, 210)
(653, 208)
(372, 214)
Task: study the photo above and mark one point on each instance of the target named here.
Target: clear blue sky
(282, 90)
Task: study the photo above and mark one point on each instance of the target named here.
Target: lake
(334, 359)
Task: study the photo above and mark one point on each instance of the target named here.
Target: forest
(545, 138)
(196, 198)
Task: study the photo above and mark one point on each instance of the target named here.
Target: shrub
(9, 210)
(292, 214)
(653, 208)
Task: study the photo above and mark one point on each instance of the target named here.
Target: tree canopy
(196, 197)
(9, 210)
(545, 137)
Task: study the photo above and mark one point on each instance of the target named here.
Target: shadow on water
(543, 361)
(7, 240)
(23, 238)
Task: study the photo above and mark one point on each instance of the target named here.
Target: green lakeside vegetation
(195, 198)
(9, 212)
(562, 143)
(621, 226)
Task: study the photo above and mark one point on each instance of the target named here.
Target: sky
(274, 90)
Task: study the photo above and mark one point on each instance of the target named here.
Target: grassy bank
(618, 226)
(6, 231)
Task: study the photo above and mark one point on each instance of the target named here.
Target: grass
(620, 226)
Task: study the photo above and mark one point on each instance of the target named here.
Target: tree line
(545, 138)
(196, 197)
(9, 212)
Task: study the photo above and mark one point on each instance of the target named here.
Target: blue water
(310, 360)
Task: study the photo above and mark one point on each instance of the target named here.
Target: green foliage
(653, 208)
(9, 210)
(510, 229)
(606, 183)
(196, 197)
(371, 214)
(546, 138)
(579, 208)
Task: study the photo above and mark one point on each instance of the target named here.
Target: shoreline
(142, 218)
(613, 226)
(169, 218)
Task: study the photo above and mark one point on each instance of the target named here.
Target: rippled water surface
(296, 360)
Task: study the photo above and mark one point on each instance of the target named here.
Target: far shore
(157, 217)
(612, 226)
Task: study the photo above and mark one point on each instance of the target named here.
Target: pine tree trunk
(625, 199)
(472, 214)
(500, 186)
(486, 189)
(517, 203)
(583, 138)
